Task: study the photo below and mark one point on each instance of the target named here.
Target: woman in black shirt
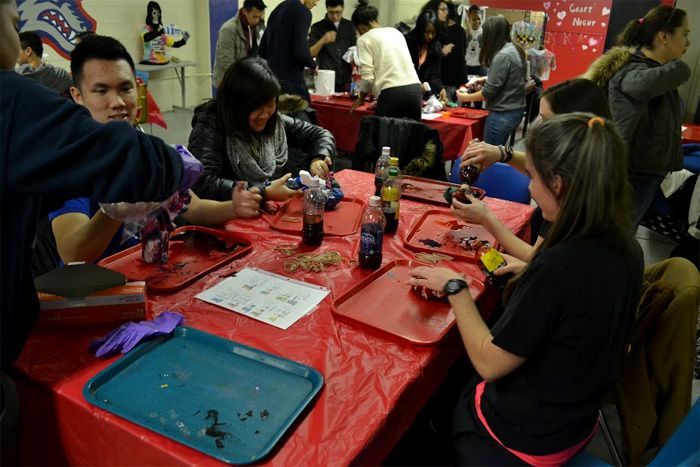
(548, 362)
(425, 52)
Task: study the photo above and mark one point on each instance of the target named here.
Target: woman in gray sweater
(504, 87)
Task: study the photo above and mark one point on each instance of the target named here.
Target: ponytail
(641, 32)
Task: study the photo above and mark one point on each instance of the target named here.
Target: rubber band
(595, 120)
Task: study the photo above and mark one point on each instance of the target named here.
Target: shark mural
(56, 21)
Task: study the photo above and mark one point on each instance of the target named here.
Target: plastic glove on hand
(191, 167)
(128, 335)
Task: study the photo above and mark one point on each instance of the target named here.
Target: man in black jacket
(329, 39)
(50, 150)
(284, 45)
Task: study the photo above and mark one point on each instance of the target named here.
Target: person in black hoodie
(426, 52)
(52, 150)
(454, 68)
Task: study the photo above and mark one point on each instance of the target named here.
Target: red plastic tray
(431, 234)
(464, 112)
(431, 191)
(189, 259)
(343, 220)
(386, 302)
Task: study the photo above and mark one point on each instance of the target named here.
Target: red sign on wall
(578, 16)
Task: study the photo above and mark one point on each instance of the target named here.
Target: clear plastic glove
(128, 335)
(123, 212)
(191, 167)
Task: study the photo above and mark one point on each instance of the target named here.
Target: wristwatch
(454, 286)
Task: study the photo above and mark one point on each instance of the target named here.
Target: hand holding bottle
(474, 212)
(479, 152)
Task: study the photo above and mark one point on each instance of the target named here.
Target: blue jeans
(499, 125)
(644, 188)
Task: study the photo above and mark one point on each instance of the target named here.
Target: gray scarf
(256, 160)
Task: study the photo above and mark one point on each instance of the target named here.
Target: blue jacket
(52, 150)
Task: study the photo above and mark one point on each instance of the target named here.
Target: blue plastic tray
(224, 399)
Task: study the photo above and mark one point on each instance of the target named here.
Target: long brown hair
(641, 32)
(590, 159)
(496, 34)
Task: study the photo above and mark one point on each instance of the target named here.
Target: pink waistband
(556, 459)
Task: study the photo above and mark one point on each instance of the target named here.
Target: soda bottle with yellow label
(489, 259)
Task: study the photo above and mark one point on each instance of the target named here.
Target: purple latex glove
(128, 335)
(191, 167)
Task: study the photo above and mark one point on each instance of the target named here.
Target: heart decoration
(561, 15)
(546, 5)
(558, 23)
(606, 11)
(603, 24)
(594, 50)
(584, 47)
(592, 41)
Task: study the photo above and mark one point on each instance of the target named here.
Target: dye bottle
(470, 173)
(372, 234)
(314, 202)
(380, 170)
(391, 196)
(489, 259)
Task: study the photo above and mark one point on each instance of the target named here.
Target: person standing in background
(31, 65)
(474, 33)
(504, 88)
(642, 80)
(454, 71)
(329, 39)
(285, 45)
(238, 38)
(386, 67)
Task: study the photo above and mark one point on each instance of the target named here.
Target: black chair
(417, 146)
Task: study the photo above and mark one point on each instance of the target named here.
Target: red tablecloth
(692, 134)
(334, 114)
(374, 384)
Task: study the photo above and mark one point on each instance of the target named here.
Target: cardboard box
(113, 305)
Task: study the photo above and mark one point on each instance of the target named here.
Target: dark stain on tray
(214, 431)
(452, 225)
(264, 414)
(429, 242)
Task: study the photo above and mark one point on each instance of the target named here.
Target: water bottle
(372, 234)
(314, 202)
(391, 195)
(380, 170)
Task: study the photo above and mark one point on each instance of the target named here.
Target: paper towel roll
(325, 82)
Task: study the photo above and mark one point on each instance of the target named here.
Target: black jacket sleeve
(306, 142)
(52, 147)
(302, 54)
(216, 182)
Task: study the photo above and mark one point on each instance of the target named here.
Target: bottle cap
(386, 150)
(375, 201)
(394, 161)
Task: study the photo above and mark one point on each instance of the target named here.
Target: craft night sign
(578, 16)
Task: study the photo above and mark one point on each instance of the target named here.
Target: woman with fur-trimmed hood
(641, 77)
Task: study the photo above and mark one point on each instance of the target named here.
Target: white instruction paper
(265, 296)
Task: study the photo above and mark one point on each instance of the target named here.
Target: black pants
(297, 88)
(471, 443)
(400, 102)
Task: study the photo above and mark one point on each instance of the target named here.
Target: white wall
(122, 20)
